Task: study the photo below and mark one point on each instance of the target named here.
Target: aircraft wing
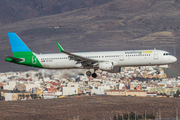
(86, 62)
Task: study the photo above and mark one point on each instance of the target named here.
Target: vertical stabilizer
(21, 53)
(17, 45)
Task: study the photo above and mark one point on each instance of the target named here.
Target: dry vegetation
(89, 107)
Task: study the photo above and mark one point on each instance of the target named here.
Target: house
(127, 92)
(99, 90)
(152, 94)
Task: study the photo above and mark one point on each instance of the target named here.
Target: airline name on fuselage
(138, 52)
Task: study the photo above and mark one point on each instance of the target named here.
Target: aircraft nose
(174, 59)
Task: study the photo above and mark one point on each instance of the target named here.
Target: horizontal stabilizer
(13, 58)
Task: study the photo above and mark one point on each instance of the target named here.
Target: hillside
(104, 25)
(13, 11)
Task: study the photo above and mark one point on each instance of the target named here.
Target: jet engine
(106, 66)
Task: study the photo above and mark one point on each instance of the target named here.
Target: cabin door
(121, 57)
(155, 54)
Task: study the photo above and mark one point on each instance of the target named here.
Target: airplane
(110, 61)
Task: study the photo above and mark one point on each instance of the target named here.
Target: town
(49, 84)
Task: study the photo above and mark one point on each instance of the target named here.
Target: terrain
(89, 25)
(87, 107)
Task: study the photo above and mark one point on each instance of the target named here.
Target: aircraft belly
(45, 65)
(59, 65)
(135, 62)
(65, 64)
(157, 62)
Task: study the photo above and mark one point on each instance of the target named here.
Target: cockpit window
(165, 54)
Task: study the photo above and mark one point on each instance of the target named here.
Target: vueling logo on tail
(34, 59)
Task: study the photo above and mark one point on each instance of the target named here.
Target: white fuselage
(120, 58)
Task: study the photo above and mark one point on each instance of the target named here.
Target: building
(29, 87)
(99, 90)
(1, 85)
(116, 92)
(11, 96)
(10, 86)
(70, 90)
(17, 96)
(127, 93)
(151, 94)
(20, 86)
(48, 95)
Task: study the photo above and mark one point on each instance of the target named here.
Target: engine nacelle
(106, 66)
(115, 70)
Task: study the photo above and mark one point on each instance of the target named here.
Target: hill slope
(13, 11)
(113, 25)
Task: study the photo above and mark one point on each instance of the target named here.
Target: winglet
(60, 48)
